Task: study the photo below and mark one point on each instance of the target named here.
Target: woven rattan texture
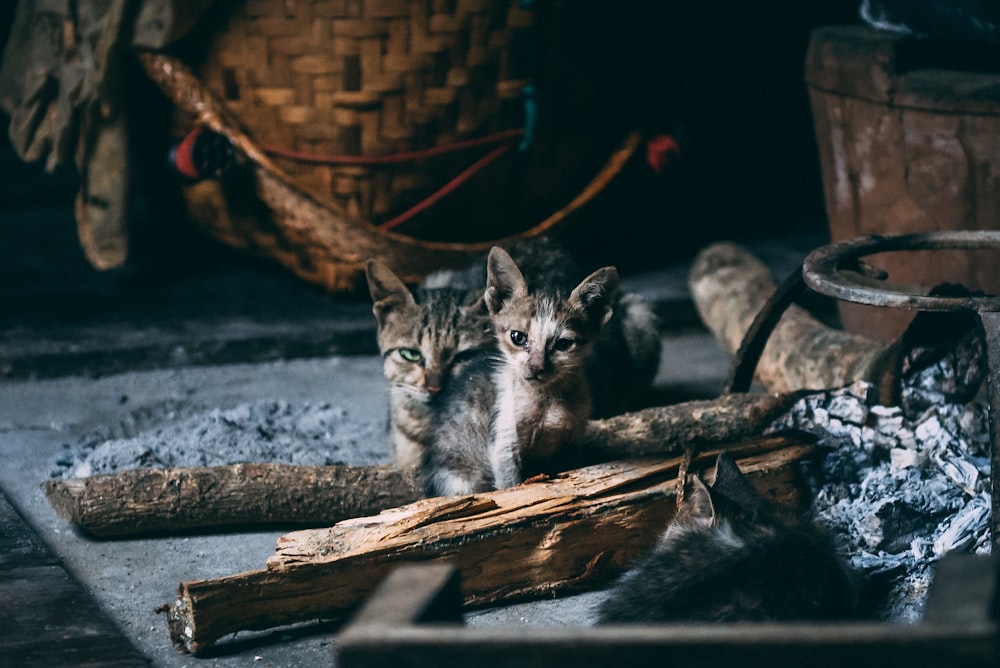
(371, 77)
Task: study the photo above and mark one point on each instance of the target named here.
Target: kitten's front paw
(452, 483)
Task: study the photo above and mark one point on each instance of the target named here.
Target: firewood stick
(162, 500)
(729, 286)
(568, 533)
(666, 430)
(157, 500)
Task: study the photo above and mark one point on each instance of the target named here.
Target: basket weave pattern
(370, 77)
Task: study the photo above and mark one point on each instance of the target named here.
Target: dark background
(725, 77)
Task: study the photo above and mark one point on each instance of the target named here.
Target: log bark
(667, 430)
(169, 500)
(158, 500)
(568, 533)
(730, 286)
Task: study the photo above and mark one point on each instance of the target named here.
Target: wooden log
(568, 533)
(157, 500)
(667, 430)
(730, 286)
(163, 500)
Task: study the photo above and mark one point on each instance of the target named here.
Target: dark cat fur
(730, 555)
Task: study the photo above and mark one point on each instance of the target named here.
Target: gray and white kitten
(626, 355)
(520, 410)
(730, 555)
(424, 338)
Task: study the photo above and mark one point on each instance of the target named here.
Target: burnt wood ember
(835, 270)
(942, 358)
(899, 491)
(905, 482)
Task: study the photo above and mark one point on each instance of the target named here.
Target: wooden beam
(388, 631)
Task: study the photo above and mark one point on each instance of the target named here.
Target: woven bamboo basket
(364, 78)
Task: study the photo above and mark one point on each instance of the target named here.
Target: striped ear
(504, 280)
(388, 292)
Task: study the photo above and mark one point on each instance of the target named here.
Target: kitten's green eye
(519, 339)
(410, 354)
(563, 345)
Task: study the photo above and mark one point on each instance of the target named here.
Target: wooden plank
(965, 590)
(679, 646)
(415, 594)
(47, 618)
(398, 638)
(19, 545)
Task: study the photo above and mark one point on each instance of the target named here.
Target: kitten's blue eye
(563, 345)
(410, 354)
(519, 339)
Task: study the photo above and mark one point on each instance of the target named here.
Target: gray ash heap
(307, 433)
(900, 486)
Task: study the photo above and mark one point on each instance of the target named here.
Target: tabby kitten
(519, 411)
(730, 555)
(424, 339)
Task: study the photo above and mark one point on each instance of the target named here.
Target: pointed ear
(503, 280)
(698, 506)
(697, 512)
(596, 294)
(732, 483)
(387, 290)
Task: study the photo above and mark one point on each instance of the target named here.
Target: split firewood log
(568, 533)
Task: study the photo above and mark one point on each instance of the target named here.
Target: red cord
(183, 158)
(505, 137)
(447, 188)
(316, 159)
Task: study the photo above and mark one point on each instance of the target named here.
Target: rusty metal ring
(836, 270)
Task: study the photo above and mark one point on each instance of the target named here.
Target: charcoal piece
(943, 357)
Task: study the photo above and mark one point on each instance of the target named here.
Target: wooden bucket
(909, 141)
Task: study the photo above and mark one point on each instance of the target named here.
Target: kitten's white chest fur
(532, 421)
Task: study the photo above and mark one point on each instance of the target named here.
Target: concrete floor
(80, 351)
(131, 578)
